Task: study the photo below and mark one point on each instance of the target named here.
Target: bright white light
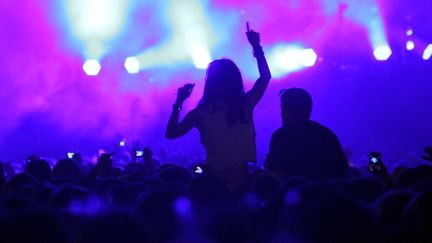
(382, 53)
(132, 65)
(409, 32)
(201, 57)
(378, 38)
(410, 45)
(427, 52)
(91, 67)
(96, 22)
(122, 143)
(308, 57)
(191, 36)
(284, 59)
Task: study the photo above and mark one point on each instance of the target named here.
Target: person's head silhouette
(40, 169)
(296, 105)
(224, 86)
(223, 82)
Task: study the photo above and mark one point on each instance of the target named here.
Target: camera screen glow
(198, 170)
(70, 155)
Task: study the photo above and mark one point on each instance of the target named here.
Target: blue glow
(89, 206)
(292, 197)
(183, 206)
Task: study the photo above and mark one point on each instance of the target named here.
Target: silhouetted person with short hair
(224, 116)
(302, 147)
(66, 169)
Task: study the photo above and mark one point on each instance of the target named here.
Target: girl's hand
(184, 92)
(252, 36)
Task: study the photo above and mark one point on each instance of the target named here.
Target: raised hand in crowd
(103, 167)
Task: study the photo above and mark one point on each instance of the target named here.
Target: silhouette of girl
(224, 116)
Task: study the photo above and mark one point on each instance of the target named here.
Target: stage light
(284, 59)
(288, 58)
(96, 23)
(378, 38)
(122, 143)
(410, 45)
(382, 53)
(427, 52)
(409, 32)
(308, 57)
(201, 57)
(132, 65)
(92, 67)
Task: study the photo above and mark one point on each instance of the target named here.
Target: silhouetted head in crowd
(67, 169)
(224, 85)
(266, 186)
(66, 196)
(128, 193)
(19, 181)
(419, 212)
(296, 105)
(367, 188)
(39, 169)
(411, 176)
(173, 174)
(392, 205)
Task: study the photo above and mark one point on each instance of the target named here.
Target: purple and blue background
(366, 63)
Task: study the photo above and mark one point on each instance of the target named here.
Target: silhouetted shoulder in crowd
(302, 147)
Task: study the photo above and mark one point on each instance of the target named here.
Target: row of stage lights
(298, 58)
(132, 65)
(284, 60)
(383, 53)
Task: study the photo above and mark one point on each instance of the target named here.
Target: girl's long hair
(224, 84)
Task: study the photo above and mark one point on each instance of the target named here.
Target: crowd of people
(147, 202)
(306, 192)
